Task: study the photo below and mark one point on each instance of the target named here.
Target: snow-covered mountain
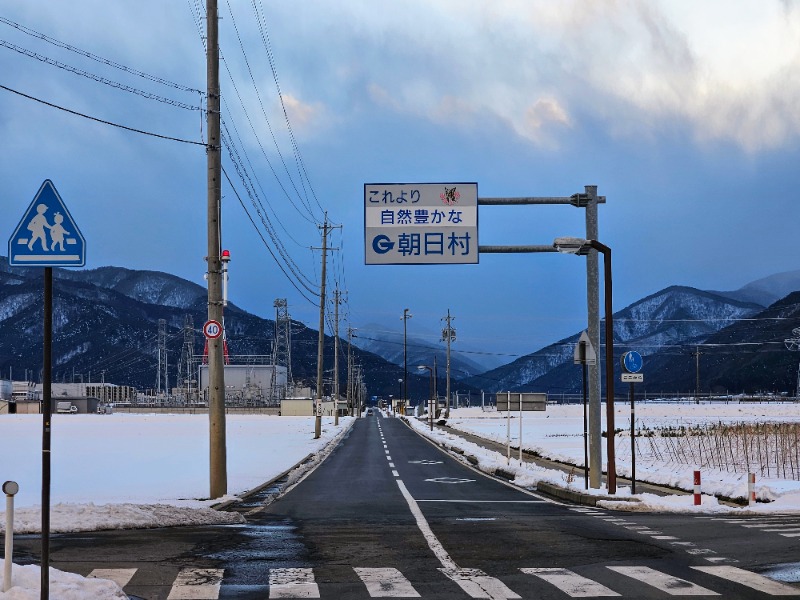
(767, 290)
(675, 316)
(389, 345)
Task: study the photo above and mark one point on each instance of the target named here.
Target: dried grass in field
(767, 449)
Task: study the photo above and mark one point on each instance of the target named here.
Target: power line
(97, 78)
(97, 58)
(104, 122)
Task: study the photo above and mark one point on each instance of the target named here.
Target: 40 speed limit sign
(212, 329)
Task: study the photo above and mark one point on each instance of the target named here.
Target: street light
(401, 401)
(431, 404)
(406, 316)
(580, 246)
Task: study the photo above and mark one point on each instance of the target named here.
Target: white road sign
(632, 378)
(420, 223)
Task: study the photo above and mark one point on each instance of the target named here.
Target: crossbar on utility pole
(216, 368)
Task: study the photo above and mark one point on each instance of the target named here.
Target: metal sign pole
(582, 350)
(633, 445)
(508, 428)
(520, 429)
(47, 415)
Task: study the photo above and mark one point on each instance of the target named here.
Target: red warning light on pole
(226, 255)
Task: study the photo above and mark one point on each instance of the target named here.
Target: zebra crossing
(785, 525)
(286, 583)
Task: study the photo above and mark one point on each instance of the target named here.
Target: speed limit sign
(212, 329)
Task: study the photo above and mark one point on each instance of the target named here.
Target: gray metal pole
(593, 309)
(216, 368)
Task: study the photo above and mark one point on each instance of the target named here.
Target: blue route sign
(632, 362)
(47, 236)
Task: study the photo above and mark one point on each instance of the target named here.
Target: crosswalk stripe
(673, 586)
(570, 583)
(119, 576)
(196, 584)
(751, 580)
(292, 583)
(790, 534)
(386, 583)
(782, 530)
(478, 584)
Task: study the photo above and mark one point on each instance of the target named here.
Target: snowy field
(557, 433)
(129, 470)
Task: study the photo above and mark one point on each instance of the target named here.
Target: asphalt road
(390, 515)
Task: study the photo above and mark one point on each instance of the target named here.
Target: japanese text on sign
(421, 223)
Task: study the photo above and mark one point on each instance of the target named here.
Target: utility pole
(697, 354)
(593, 310)
(350, 403)
(216, 369)
(448, 335)
(326, 228)
(406, 317)
(336, 302)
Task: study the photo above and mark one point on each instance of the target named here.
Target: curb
(576, 497)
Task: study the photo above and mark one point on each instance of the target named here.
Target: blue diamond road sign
(46, 236)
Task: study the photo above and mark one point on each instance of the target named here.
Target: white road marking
(391, 465)
(196, 584)
(751, 580)
(388, 457)
(478, 584)
(386, 583)
(491, 501)
(782, 530)
(292, 583)
(474, 582)
(450, 480)
(119, 576)
(570, 583)
(395, 473)
(476, 519)
(790, 534)
(664, 537)
(673, 586)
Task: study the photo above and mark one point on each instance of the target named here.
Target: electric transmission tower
(162, 356)
(793, 344)
(281, 347)
(186, 363)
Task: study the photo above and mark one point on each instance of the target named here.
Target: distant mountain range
(106, 320)
(739, 338)
(106, 325)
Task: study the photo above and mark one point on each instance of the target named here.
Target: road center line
(490, 501)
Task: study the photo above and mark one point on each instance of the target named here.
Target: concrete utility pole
(406, 317)
(593, 313)
(326, 229)
(216, 368)
(448, 335)
(350, 402)
(336, 302)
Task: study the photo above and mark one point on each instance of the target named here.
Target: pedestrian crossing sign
(47, 236)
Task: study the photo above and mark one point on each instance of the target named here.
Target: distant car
(369, 411)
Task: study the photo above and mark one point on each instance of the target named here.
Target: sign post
(46, 236)
(585, 355)
(631, 365)
(520, 401)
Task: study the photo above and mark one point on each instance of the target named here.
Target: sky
(682, 114)
(84, 500)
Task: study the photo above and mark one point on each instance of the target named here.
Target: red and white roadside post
(751, 489)
(697, 488)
